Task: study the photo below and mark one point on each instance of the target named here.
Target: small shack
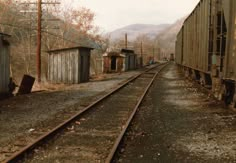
(113, 62)
(130, 59)
(4, 64)
(139, 62)
(119, 61)
(69, 65)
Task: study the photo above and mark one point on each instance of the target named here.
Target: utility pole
(126, 41)
(38, 53)
(141, 54)
(38, 9)
(153, 50)
(141, 49)
(158, 53)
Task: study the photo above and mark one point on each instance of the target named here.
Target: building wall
(106, 64)
(132, 62)
(4, 66)
(70, 66)
(120, 64)
(126, 63)
(64, 67)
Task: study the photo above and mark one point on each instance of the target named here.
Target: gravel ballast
(180, 122)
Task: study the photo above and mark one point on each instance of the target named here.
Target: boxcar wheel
(227, 98)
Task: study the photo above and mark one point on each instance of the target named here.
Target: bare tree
(73, 27)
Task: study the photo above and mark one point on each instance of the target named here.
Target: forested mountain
(167, 37)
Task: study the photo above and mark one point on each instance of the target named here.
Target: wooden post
(39, 40)
(126, 41)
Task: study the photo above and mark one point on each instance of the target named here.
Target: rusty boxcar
(4, 64)
(69, 65)
(206, 47)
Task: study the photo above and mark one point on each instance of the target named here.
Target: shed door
(84, 70)
(129, 62)
(113, 63)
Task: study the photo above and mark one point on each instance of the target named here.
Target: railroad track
(94, 133)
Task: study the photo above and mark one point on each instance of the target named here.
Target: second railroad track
(93, 134)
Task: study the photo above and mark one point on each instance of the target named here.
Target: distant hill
(135, 30)
(167, 37)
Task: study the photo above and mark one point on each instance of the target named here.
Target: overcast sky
(114, 14)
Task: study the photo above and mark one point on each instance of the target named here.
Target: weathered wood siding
(119, 64)
(132, 62)
(106, 64)
(63, 67)
(126, 63)
(69, 66)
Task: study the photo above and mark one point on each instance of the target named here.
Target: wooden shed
(4, 64)
(130, 59)
(113, 62)
(119, 61)
(69, 65)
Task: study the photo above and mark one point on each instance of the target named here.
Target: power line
(39, 11)
(49, 33)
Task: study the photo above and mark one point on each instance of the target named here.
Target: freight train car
(206, 47)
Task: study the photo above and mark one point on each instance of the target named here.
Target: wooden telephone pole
(126, 41)
(39, 4)
(141, 49)
(141, 62)
(153, 51)
(39, 35)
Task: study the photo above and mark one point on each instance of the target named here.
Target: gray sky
(113, 14)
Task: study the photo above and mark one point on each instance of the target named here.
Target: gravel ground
(180, 122)
(21, 115)
(91, 137)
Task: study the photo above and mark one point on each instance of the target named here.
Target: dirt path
(178, 122)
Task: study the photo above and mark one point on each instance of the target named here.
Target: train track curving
(94, 133)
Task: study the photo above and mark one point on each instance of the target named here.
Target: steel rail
(28, 149)
(120, 137)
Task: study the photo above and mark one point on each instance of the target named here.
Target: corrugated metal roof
(109, 54)
(127, 51)
(71, 48)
